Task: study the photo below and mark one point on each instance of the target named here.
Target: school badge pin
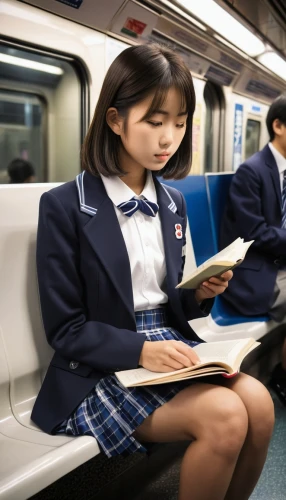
(178, 231)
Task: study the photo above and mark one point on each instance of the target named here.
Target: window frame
(82, 74)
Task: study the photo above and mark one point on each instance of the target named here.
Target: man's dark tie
(130, 207)
(284, 202)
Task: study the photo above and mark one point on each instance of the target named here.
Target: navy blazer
(86, 291)
(254, 212)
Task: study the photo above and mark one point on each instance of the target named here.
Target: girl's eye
(155, 124)
(180, 125)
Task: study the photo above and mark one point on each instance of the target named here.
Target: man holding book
(256, 210)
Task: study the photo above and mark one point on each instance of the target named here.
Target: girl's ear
(114, 121)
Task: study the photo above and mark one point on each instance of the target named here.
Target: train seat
(217, 186)
(205, 197)
(31, 459)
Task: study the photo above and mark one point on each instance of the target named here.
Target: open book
(228, 258)
(224, 357)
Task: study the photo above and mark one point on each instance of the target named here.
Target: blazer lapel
(104, 235)
(271, 163)
(172, 245)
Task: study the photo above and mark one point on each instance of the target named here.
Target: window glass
(252, 137)
(40, 113)
(21, 131)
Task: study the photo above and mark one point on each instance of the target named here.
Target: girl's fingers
(227, 275)
(188, 352)
(180, 358)
(175, 365)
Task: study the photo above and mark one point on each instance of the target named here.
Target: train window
(252, 137)
(22, 131)
(214, 126)
(42, 112)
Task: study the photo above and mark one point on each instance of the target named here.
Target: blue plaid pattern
(283, 224)
(111, 412)
(130, 207)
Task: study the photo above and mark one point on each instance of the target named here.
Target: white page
(224, 351)
(235, 251)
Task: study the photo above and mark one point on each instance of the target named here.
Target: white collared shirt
(280, 162)
(144, 242)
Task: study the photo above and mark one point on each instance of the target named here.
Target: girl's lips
(163, 156)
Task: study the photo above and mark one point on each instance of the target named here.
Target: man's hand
(213, 287)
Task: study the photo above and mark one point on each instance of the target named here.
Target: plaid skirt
(112, 412)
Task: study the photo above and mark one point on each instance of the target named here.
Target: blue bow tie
(130, 207)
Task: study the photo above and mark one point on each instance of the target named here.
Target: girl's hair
(135, 74)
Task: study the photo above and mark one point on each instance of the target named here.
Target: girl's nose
(166, 139)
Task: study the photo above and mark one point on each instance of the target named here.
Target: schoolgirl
(110, 254)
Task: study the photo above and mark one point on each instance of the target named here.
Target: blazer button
(73, 365)
(277, 262)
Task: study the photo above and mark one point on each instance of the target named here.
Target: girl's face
(150, 143)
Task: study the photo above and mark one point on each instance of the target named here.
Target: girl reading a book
(110, 253)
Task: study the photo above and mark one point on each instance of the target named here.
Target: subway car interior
(53, 59)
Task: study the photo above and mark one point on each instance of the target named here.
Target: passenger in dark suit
(256, 210)
(110, 252)
(21, 171)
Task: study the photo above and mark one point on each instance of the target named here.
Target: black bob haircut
(20, 170)
(137, 73)
(277, 111)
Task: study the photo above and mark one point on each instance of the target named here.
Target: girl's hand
(167, 355)
(212, 287)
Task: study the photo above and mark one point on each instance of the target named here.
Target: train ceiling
(207, 55)
(268, 17)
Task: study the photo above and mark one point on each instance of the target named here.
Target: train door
(43, 111)
(214, 128)
(252, 135)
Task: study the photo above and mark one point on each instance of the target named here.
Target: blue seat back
(217, 187)
(193, 188)
(206, 198)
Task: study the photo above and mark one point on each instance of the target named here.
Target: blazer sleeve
(245, 198)
(191, 308)
(68, 331)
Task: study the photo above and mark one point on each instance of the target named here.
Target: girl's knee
(227, 425)
(261, 414)
(259, 406)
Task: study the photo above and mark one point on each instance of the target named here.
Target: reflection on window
(21, 129)
(40, 114)
(252, 137)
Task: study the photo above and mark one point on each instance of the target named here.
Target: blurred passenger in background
(256, 210)
(21, 171)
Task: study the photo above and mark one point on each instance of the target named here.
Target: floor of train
(272, 483)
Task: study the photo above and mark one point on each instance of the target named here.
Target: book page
(213, 269)
(226, 258)
(214, 356)
(205, 372)
(224, 351)
(141, 375)
(233, 252)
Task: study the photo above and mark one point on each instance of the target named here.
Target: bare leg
(284, 355)
(259, 407)
(216, 419)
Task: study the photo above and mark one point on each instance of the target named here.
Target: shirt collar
(119, 192)
(279, 158)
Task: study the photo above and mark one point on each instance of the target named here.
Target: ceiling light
(224, 24)
(183, 14)
(27, 63)
(274, 62)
